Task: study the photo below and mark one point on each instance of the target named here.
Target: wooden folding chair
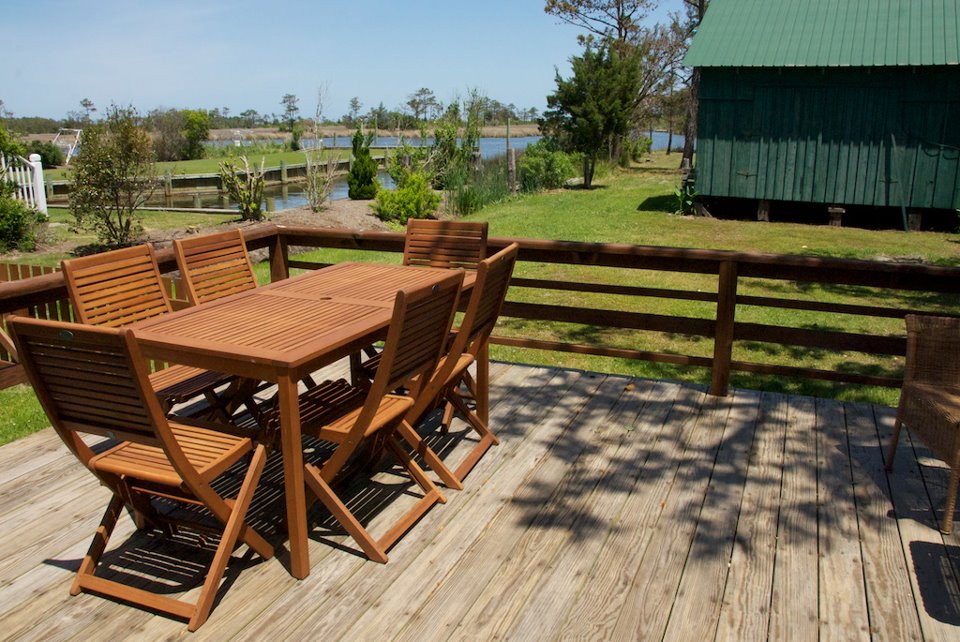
(214, 266)
(429, 243)
(115, 289)
(930, 397)
(486, 301)
(445, 244)
(349, 417)
(94, 380)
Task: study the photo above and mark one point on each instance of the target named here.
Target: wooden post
(168, 183)
(723, 335)
(836, 215)
(512, 170)
(197, 203)
(763, 211)
(271, 204)
(39, 191)
(283, 171)
(914, 220)
(224, 201)
(279, 268)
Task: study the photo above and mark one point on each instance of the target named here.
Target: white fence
(27, 177)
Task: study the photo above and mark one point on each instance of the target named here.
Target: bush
(113, 176)
(10, 145)
(469, 190)
(414, 200)
(18, 225)
(362, 178)
(196, 129)
(246, 190)
(542, 167)
(634, 150)
(50, 154)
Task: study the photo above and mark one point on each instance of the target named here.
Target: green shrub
(469, 190)
(245, 186)
(18, 225)
(196, 129)
(415, 199)
(542, 167)
(50, 154)
(9, 145)
(633, 151)
(112, 177)
(362, 178)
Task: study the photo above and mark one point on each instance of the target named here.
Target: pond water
(292, 195)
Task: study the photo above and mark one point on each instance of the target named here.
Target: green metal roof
(827, 33)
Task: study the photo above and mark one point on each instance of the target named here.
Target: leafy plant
(542, 166)
(113, 176)
(50, 154)
(196, 129)
(362, 179)
(414, 200)
(18, 224)
(685, 198)
(321, 175)
(470, 189)
(245, 186)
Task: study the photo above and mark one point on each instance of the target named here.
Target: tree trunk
(690, 129)
(589, 163)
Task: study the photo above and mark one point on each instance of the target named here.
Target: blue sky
(247, 54)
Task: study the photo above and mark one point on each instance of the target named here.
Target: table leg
(483, 383)
(293, 477)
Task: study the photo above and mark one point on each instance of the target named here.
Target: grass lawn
(634, 207)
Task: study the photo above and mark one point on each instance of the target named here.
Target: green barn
(836, 102)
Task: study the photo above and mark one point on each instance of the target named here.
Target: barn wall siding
(826, 135)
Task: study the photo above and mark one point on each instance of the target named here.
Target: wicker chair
(930, 398)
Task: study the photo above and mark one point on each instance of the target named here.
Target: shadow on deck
(613, 508)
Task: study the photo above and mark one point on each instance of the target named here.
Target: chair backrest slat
(115, 289)
(422, 318)
(445, 244)
(489, 293)
(214, 265)
(86, 380)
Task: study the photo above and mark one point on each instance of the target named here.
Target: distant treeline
(410, 117)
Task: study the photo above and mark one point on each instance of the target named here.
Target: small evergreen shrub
(542, 167)
(50, 154)
(362, 178)
(18, 225)
(415, 199)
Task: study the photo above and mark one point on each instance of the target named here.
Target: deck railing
(27, 178)
(723, 328)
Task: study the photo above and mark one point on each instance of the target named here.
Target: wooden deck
(614, 508)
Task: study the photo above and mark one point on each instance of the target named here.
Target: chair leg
(229, 539)
(99, 543)
(947, 527)
(410, 435)
(892, 450)
(487, 438)
(343, 515)
(432, 495)
(447, 418)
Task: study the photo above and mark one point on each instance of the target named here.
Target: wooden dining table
(282, 332)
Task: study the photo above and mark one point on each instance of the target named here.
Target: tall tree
(291, 111)
(420, 102)
(88, 108)
(687, 25)
(596, 105)
(355, 106)
(618, 20)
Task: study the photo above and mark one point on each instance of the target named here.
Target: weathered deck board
(612, 508)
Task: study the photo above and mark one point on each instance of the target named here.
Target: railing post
(39, 192)
(279, 267)
(723, 336)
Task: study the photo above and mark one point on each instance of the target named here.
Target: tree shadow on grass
(661, 203)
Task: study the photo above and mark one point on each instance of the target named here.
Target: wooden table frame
(282, 332)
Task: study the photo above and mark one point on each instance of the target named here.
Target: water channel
(292, 195)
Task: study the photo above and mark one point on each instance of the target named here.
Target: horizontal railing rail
(725, 269)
